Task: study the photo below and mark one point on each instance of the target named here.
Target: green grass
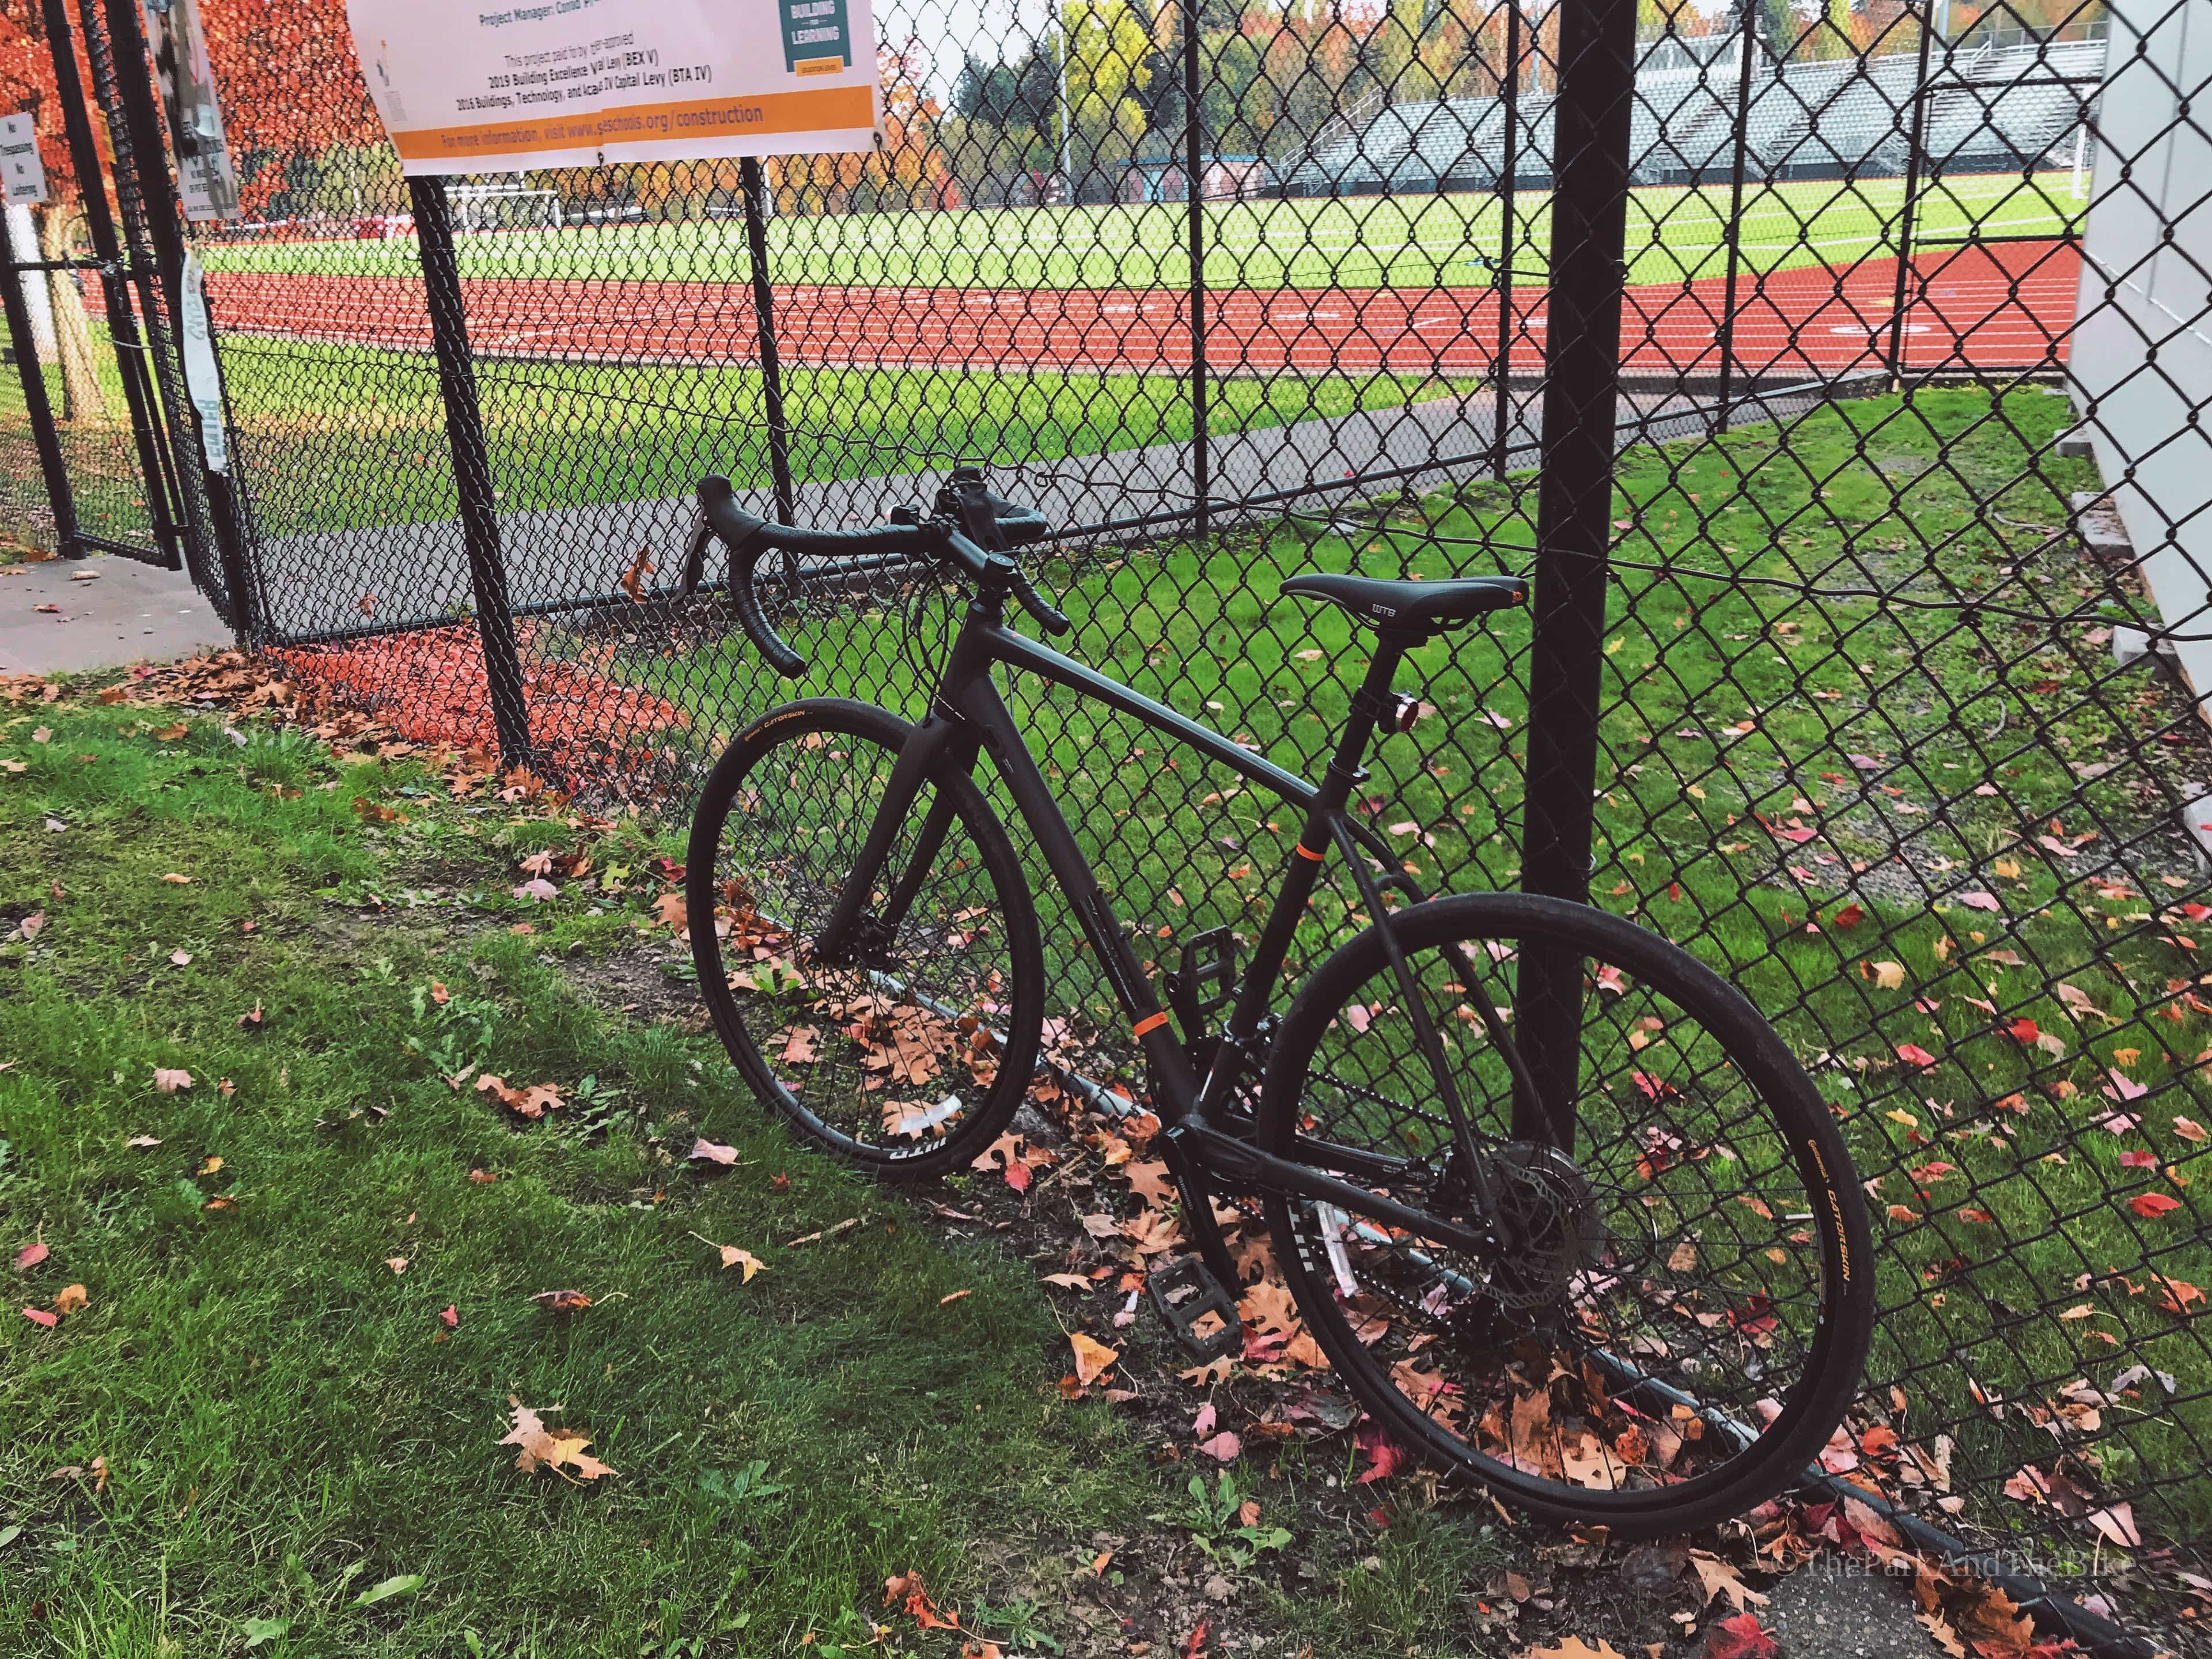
(284, 1421)
(1728, 700)
(1407, 240)
(99, 454)
(328, 432)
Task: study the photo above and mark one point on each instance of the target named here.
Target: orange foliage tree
(908, 169)
(294, 103)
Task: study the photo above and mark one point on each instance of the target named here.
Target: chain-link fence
(1846, 670)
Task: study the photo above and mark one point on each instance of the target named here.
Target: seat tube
(1344, 773)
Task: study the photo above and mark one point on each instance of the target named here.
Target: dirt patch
(637, 985)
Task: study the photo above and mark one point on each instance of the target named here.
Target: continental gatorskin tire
(908, 1059)
(1685, 1323)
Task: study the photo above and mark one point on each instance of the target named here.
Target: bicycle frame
(968, 716)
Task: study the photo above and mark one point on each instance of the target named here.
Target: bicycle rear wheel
(909, 1053)
(1680, 1317)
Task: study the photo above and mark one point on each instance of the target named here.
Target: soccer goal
(505, 207)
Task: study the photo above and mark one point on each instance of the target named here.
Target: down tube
(980, 704)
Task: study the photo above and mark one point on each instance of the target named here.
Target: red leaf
(29, 1257)
(1739, 1637)
(1850, 916)
(1384, 1454)
(40, 1316)
(2151, 1205)
(450, 1316)
(1196, 1645)
(1913, 1055)
(2023, 1030)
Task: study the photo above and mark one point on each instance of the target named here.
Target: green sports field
(1674, 234)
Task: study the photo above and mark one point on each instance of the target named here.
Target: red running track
(2009, 306)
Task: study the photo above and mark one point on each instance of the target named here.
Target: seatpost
(1369, 703)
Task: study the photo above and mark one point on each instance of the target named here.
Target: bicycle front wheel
(909, 1052)
(1675, 1317)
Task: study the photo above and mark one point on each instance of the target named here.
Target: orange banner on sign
(824, 110)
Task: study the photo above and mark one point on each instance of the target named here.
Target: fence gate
(83, 331)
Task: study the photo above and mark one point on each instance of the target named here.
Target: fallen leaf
(168, 1082)
(40, 1316)
(708, 1151)
(2151, 1205)
(1575, 1648)
(536, 1444)
(1739, 1637)
(397, 1263)
(1889, 976)
(2117, 1525)
(670, 909)
(1384, 1455)
(182, 881)
(1718, 1578)
(450, 1316)
(947, 1301)
(29, 1257)
(734, 1257)
(181, 958)
(70, 1298)
(1223, 1448)
(1913, 1055)
(562, 1304)
(1092, 1357)
(633, 579)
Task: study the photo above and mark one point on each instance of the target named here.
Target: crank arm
(1235, 1162)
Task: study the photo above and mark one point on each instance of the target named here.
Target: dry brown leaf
(1093, 1358)
(74, 1297)
(169, 1080)
(1718, 1578)
(536, 1444)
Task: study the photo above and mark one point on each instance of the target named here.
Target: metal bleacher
(1988, 107)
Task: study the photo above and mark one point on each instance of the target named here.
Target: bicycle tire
(1585, 1254)
(958, 987)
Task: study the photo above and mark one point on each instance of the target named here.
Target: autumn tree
(304, 136)
(27, 82)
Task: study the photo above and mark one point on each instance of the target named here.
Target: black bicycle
(1557, 1204)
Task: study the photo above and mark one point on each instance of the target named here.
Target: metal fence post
(154, 460)
(754, 188)
(141, 170)
(465, 433)
(1581, 369)
(36, 403)
(1726, 338)
(1509, 178)
(1193, 189)
(1911, 195)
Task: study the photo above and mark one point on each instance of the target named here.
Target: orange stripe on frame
(813, 109)
(1151, 1023)
(1306, 852)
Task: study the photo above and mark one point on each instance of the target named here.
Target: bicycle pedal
(1201, 978)
(1184, 1292)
